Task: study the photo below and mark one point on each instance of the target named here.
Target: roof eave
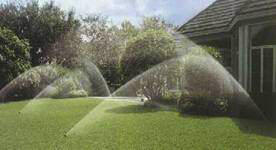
(227, 29)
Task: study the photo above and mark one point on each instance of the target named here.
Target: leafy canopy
(147, 49)
(14, 56)
(41, 25)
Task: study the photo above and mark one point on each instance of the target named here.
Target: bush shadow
(258, 127)
(246, 126)
(138, 109)
(251, 118)
(265, 127)
(196, 116)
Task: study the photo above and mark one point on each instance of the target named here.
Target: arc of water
(15, 83)
(99, 86)
(41, 94)
(93, 115)
(182, 51)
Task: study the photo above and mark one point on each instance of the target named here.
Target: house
(245, 31)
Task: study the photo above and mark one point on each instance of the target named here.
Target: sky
(175, 11)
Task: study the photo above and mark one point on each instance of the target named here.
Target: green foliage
(14, 56)
(41, 25)
(201, 104)
(167, 98)
(214, 52)
(65, 87)
(73, 93)
(77, 93)
(111, 73)
(154, 85)
(73, 84)
(206, 51)
(172, 97)
(128, 30)
(66, 51)
(201, 78)
(103, 46)
(147, 49)
(155, 23)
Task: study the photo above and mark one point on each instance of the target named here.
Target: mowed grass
(123, 125)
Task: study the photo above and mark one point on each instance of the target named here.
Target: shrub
(76, 93)
(203, 104)
(147, 49)
(171, 98)
(64, 87)
(74, 84)
(203, 74)
(154, 85)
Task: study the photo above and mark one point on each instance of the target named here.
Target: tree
(67, 51)
(41, 25)
(128, 30)
(14, 56)
(149, 48)
(155, 23)
(103, 46)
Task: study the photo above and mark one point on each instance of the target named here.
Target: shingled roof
(220, 16)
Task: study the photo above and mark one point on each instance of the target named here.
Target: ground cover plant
(124, 125)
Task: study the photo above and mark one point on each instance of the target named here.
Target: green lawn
(122, 125)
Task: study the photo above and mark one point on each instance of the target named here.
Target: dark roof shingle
(219, 15)
(259, 5)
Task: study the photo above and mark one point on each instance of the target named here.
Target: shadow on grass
(262, 128)
(139, 109)
(267, 105)
(247, 126)
(195, 116)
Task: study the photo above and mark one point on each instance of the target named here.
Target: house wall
(238, 41)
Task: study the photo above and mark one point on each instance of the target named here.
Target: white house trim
(246, 46)
(262, 70)
(240, 54)
(274, 71)
(243, 55)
